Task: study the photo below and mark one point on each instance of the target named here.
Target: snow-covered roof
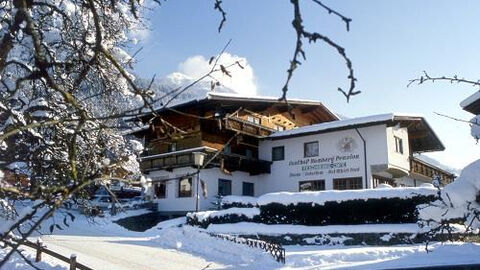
(245, 98)
(339, 124)
(436, 164)
(134, 129)
(471, 103)
(428, 143)
(235, 96)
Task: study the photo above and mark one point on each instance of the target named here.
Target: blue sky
(389, 43)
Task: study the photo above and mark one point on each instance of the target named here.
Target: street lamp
(198, 158)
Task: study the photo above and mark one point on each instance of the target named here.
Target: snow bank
(192, 240)
(371, 258)
(236, 201)
(320, 197)
(249, 213)
(248, 228)
(459, 200)
(18, 263)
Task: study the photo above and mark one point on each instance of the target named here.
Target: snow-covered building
(257, 145)
(352, 154)
(472, 103)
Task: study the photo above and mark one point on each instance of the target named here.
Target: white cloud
(242, 81)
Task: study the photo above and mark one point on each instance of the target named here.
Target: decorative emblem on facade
(346, 145)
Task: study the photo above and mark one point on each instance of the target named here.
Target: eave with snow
(472, 103)
(421, 136)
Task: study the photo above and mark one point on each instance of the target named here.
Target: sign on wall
(344, 160)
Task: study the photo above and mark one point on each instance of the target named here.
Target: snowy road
(119, 253)
(104, 245)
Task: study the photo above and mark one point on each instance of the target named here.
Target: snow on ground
(17, 263)
(250, 228)
(358, 257)
(102, 244)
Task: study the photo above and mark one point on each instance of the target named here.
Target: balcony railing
(429, 171)
(184, 158)
(248, 128)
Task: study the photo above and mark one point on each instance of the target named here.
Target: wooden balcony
(184, 158)
(428, 171)
(248, 128)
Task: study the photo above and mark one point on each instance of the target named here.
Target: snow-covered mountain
(167, 88)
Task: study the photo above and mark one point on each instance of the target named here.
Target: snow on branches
(458, 203)
(64, 68)
(475, 127)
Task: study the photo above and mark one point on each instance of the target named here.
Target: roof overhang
(228, 99)
(421, 136)
(472, 103)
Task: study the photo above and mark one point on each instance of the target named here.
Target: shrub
(233, 201)
(356, 211)
(231, 215)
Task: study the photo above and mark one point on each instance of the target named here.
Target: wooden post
(38, 256)
(73, 262)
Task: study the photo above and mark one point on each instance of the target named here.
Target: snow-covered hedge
(238, 201)
(321, 197)
(231, 215)
(381, 206)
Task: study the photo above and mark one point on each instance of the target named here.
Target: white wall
(395, 159)
(288, 173)
(210, 176)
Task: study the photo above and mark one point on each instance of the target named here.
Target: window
(172, 147)
(185, 187)
(279, 127)
(247, 189)
(253, 119)
(248, 153)
(313, 185)
(378, 180)
(278, 153)
(224, 187)
(347, 183)
(310, 149)
(161, 190)
(398, 145)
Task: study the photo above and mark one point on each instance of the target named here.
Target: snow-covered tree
(457, 209)
(62, 62)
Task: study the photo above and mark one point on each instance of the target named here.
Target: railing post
(73, 262)
(38, 256)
